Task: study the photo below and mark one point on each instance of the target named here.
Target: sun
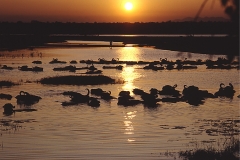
(128, 6)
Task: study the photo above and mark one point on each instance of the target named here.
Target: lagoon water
(112, 131)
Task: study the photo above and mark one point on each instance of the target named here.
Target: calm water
(112, 131)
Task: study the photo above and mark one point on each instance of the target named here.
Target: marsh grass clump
(79, 80)
(230, 152)
(6, 84)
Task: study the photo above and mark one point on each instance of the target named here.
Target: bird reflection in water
(128, 124)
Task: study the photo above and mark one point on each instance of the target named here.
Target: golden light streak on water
(128, 124)
(129, 53)
(129, 73)
(129, 76)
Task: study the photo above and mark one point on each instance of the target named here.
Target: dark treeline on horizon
(47, 28)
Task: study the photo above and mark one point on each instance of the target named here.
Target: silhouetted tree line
(46, 28)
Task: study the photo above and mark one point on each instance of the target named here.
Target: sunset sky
(106, 10)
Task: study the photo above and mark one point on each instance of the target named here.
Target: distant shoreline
(206, 45)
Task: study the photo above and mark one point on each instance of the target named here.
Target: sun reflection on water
(129, 73)
(129, 54)
(128, 124)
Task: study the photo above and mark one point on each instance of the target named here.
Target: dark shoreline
(206, 45)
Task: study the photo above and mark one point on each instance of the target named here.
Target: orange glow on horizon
(105, 11)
